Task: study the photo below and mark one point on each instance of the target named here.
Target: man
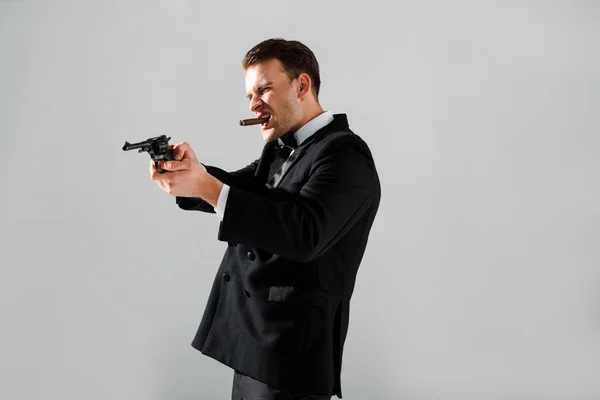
(296, 220)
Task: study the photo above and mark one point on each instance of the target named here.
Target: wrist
(211, 190)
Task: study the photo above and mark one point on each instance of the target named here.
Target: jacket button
(251, 256)
(226, 277)
(247, 293)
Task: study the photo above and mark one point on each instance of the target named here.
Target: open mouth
(264, 124)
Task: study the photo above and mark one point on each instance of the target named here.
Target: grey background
(481, 277)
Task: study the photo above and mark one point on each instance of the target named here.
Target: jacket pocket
(300, 314)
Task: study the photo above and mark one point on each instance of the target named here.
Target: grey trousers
(247, 388)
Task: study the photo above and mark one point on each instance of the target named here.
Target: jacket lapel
(285, 167)
(262, 169)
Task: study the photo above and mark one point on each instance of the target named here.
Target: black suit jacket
(279, 305)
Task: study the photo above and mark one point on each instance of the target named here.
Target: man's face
(271, 93)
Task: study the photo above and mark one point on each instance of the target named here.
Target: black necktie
(281, 153)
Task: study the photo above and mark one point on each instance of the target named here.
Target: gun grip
(168, 156)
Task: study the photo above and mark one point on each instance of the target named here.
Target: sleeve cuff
(222, 201)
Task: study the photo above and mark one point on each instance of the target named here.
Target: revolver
(157, 147)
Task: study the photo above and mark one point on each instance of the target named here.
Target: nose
(255, 103)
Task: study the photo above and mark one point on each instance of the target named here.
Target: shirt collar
(311, 127)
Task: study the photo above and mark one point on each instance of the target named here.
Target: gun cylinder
(252, 121)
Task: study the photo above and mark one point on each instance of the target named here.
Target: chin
(269, 135)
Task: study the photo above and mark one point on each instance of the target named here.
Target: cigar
(252, 121)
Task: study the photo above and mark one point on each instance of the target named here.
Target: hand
(185, 177)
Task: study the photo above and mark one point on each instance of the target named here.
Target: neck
(311, 111)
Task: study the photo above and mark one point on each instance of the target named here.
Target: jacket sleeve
(342, 186)
(243, 179)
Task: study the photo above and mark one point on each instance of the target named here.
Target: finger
(166, 165)
(161, 176)
(154, 170)
(174, 165)
(161, 164)
(163, 185)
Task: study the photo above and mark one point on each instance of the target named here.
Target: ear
(304, 85)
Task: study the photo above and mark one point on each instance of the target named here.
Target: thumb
(183, 151)
(177, 154)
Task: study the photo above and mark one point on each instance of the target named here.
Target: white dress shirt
(301, 135)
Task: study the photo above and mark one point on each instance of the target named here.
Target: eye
(259, 92)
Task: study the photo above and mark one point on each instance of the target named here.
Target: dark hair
(296, 58)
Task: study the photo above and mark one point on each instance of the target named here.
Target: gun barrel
(133, 146)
